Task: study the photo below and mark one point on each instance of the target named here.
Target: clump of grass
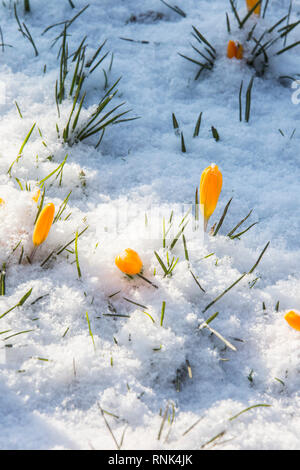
(77, 129)
(205, 59)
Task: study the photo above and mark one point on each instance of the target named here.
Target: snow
(53, 381)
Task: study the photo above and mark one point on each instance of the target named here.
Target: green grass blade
(235, 12)
(90, 330)
(222, 218)
(259, 258)
(198, 124)
(76, 255)
(248, 100)
(162, 315)
(239, 224)
(197, 282)
(21, 149)
(247, 409)
(177, 236)
(224, 292)
(186, 254)
(288, 48)
(238, 235)
(19, 304)
(164, 268)
(249, 14)
(203, 39)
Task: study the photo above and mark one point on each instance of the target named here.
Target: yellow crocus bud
(234, 50)
(210, 188)
(293, 319)
(2, 202)
(43, 224)
(251, 4)
(36, 195)
(129, 262)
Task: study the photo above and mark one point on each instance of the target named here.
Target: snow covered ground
(54, 380)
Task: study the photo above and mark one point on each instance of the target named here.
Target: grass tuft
(209, 56)
(76, 129)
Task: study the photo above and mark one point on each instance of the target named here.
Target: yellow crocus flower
(210, 188)
(129, 262)
(43, 224)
